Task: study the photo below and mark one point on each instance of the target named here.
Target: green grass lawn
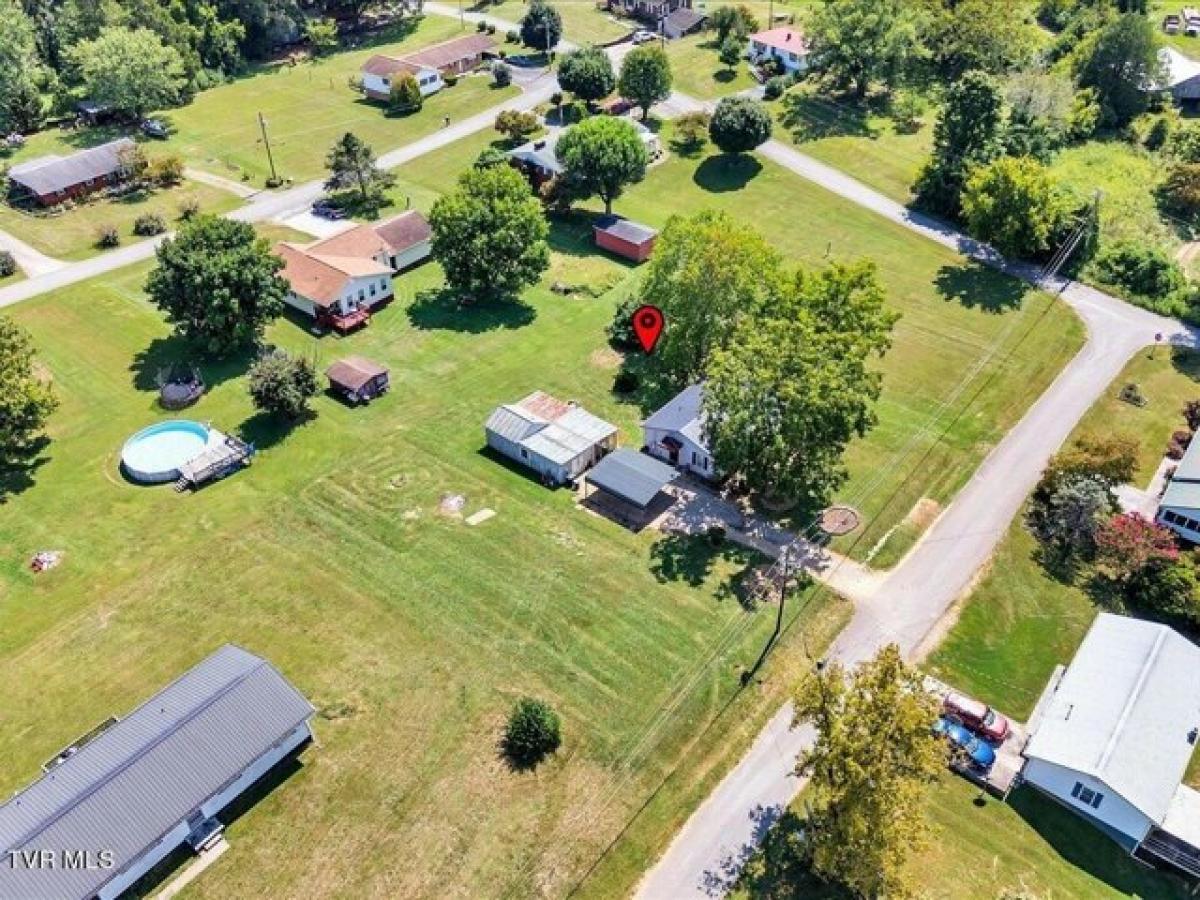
(696, 71)
(1181, 42)
(982, 848)
(71, 235)
(862, 143)
(1021, 622)
(307, 107)
(583, 23)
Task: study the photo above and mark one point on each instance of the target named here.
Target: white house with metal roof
(1113, 737)
(118, 801)
(675, 434)
(557, 439)
(1179, 508)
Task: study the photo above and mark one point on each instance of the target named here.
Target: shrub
(450, 79)
(1015, 205)
(626, 382)
(1132, 394)
(620, 329)
(1180, 190)
(8, 264)
(774, 88)
(405, 94)
(1191, 414)
(691, 131)
(1184, 144)
(715, 535)
(148, 224)
(107, 236)
(1140, 269)
(501, 74)
(512, 36)
(165, 171)
(1178, 444)
(533, 732)
(1157, 134)
(481, 26)
(282, 384)
(189, 208)
(491, 29)
(515, 124)
(739, 124)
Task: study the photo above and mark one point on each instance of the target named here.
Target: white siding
(145, 862)
(793, 62)
(303, 304)
(411, 256)
(1180, 526)
(429, 81)
(692, 457)
(1114, 811)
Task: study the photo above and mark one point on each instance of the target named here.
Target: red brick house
(50, 180)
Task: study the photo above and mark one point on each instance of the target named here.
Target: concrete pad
(317, 226)
(482, 516)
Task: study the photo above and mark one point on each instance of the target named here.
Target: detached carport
(629, 487)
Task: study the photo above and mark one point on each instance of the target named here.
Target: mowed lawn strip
(72, 233)
(307, 107)
(583, 22)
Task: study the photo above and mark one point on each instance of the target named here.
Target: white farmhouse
(427, 66)
(131, 792)
(675, 434)
(785, 45)
(1112, 739)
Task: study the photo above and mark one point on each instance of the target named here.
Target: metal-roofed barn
(109, 808)
(559, 440)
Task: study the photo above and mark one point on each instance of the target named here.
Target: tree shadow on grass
(809, 119)
(1186, 362)
(977, 287)
(775, 866)
(726, 172)
(265, 430)
(440, 310)
(20, 473)
(164, 352)
(1078, 842)
(691, 558)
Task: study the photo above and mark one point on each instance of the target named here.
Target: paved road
(32, 262)
(709, 852)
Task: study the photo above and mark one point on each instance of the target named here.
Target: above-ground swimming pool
(154, 454)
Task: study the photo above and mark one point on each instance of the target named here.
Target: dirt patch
(839, 520)
(452, 505)
(606, 358)
(923, 513)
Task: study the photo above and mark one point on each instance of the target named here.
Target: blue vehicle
(980, 754)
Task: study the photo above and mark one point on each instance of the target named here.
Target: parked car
(155, 129)
(642, 36)
(326, 209)
(977, 717)
(980, 755)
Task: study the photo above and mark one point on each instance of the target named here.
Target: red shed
(631, 240)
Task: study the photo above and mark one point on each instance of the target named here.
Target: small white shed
(557, 439)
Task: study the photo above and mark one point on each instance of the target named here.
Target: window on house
(362, 295)
(372, 289)
(1169, 516)
(383, 284)
(1086, 795)
(524, 453)
(695, 459)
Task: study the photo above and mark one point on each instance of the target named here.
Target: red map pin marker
(648, 324)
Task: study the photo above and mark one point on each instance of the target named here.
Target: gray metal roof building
(631, 476)
(1179, 508)
(50, 175)
(136, 782)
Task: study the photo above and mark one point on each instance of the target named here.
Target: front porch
(1177, 841)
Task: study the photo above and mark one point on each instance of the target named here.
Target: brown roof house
(340, 280)
(427, 66)
(52, 179)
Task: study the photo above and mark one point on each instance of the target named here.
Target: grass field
(981, 849)
(696, 71)
(307, 107)
(71, 235)
(1021, 622)
(583, 23)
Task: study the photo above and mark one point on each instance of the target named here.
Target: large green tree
(489, 235)
(967, 134)
(130, 70)
(739, 125)
(602, 155)
(587, 73)
(707, 272)
(352, 166)
(856, 43)
(1119, 62)
(795, 382)
(1015, 205)
(645, 77)
(541, 26)
(218, 284)
(18, 61)
(282, 384)
(26, 399)
(869, 769)
(988, 35)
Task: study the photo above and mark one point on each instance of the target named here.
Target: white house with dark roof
(1112, 739)
(1179, 508)
(675, 434)
(557, 439)
(117, 802)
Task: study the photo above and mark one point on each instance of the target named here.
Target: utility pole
(262, 124)
(785, 572)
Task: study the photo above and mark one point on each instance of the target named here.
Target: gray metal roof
(126, 788)
(570, 431)
(632, 476)
(682, 414)
(1123, 711)
(51, 174)
(626, 230)
(1183, 495)
(1189, 466)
